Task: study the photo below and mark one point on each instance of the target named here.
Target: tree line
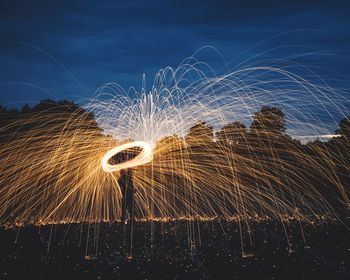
(262, 157)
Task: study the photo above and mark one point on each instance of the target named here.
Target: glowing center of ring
(142, 158)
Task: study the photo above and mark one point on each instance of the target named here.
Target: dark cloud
(51, 44)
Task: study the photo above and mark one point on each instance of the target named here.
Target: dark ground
(26, 253)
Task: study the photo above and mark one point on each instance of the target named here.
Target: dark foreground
(101, 251)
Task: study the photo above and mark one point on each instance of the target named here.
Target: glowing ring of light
(142, 158)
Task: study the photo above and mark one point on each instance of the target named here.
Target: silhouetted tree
(270, 120)
(232, 133)
(46, 115)
(7, 115)
(201, 131)
(26, 109)
(344, 128)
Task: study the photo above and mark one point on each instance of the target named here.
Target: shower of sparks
(53, 164)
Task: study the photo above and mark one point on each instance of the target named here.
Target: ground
(177, 250)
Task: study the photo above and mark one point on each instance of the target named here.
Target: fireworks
(196, 161)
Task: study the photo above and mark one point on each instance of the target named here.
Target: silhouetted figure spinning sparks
(126, 182)
(127, 189)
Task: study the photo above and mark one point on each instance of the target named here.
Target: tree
(201, 131)
(26, 109)
(269, 120)
(232, 133)
(47, 115)
(344, 128)
(7, 115)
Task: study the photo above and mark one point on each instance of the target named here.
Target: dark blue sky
(67, 49)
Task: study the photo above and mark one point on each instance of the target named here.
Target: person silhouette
(127, 189)
(126, 183)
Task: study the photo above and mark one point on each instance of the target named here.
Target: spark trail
(196, 162)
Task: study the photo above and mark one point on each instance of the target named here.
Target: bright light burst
(145, 156)
(55, 170)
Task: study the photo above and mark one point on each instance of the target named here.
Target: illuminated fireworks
(196, 160)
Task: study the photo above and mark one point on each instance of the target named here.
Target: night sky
(67, 49)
